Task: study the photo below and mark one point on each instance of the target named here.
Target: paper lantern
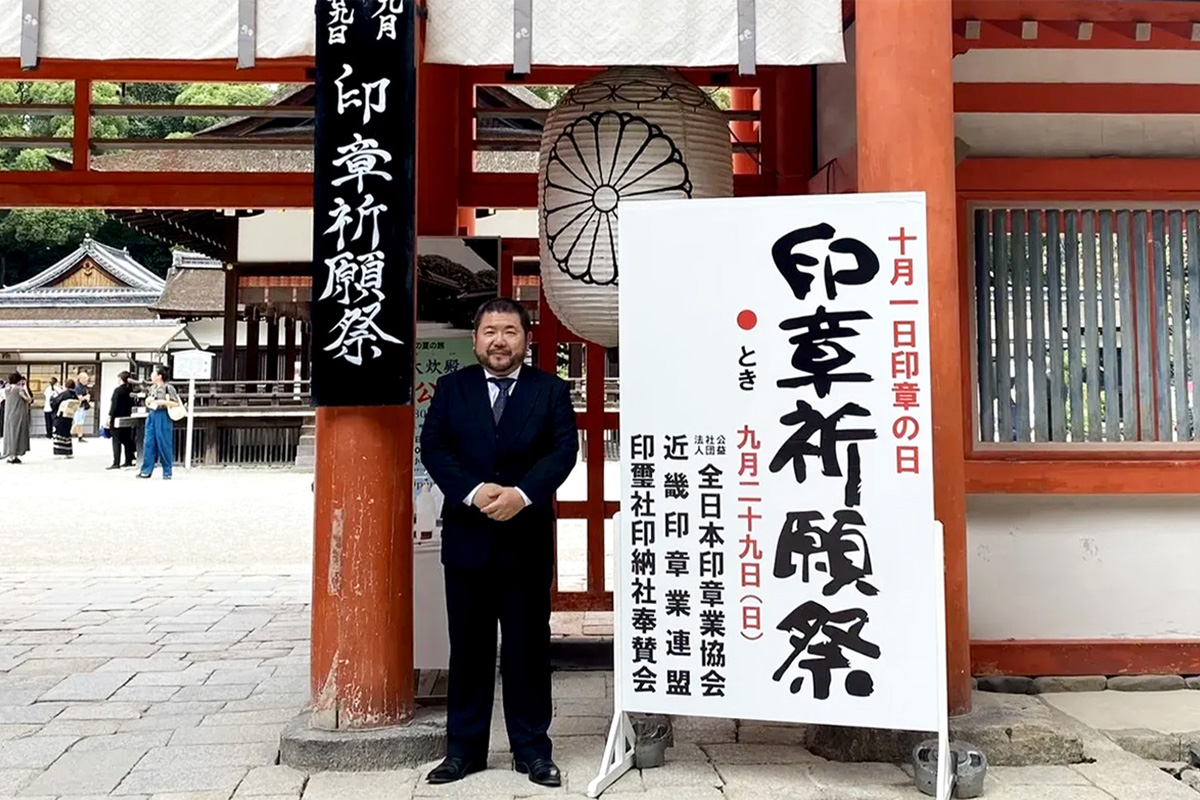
(630, 134)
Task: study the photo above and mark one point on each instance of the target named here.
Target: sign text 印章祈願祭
(777, 556)
(363, 311)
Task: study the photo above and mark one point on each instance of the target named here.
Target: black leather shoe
(453, 769)
(541, 771)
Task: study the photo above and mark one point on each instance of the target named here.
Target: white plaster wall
(1064, 567)
(108, 381)
(274, 236)
(513, 223)
(837, 115)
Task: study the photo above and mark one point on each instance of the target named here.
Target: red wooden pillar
(789, 127)
(743, 131)
(905, 143)
(438, 96)
(362, 622)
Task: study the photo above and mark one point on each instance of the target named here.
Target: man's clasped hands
(500, 503)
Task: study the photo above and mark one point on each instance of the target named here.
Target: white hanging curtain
(673, 33)
(678, 33)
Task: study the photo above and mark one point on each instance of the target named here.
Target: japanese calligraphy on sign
(777, 557)
(363, 255)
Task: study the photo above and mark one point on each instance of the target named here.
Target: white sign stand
(618, 750)
(191, 364)
(190, 423)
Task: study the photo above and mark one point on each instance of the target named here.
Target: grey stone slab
(1041, 775)
(144, 742)
(684, 775)
(230, 734)
(142, 781)
(56, 666)
(273, 780)
(265, 701)
(33, 752)
(770, 733)
(145, 694)
(1146, 683)
(88, 686)
(247, 754)
(1145, 743)
(759, 754)
(240, 676)
(1069, 683)
(213, 692)
(96, 651)
(1192, 681)
(289, 684)
(176, 707)
(263, 717)
(768, 779)
(82, 773)
(361, 785)
(851, 775)
(578, 685)
(11, 780)
(1007, 684)
(108, 710)
(587, 707)
(14, 731)
(194, 675)
(221, 638)
(80, 727)
(580, 726)
(165, 722)
(36, 713)
(704, 730)
(159, 663)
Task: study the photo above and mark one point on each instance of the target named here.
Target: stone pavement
(149, 648)
(177, 682)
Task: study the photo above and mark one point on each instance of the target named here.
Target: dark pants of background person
(518, 596)
(49, 423)
(122, 438)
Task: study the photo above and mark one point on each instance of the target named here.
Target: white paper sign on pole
(776, 557)
(192, 365)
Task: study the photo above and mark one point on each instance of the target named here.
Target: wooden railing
(221, 397)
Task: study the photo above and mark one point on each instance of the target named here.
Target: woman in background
(64, 407)
(17, 403)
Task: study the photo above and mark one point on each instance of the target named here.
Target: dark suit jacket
(533, 448)
(121, 404)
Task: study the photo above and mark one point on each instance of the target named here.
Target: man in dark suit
(120, 406)
(499, 439)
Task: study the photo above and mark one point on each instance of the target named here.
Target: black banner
(364, 248)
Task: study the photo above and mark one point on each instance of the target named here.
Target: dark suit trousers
(122, 437)
(518, 596)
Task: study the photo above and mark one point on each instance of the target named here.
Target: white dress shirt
(493, 393)
(48, 394)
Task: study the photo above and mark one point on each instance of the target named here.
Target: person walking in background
(47, 398)
(499, 469)
(159, 443)
(121, 407)
(17, 404)
(83, 393)
(63, 406)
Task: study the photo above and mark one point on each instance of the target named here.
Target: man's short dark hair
(504, 305)
(161, 370)
(123, 376)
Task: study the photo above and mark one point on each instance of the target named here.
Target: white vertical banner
(776, 557)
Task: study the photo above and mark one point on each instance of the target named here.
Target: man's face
(500, 342)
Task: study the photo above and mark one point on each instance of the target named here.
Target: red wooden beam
(519, 190)
(1076, 98)
(1086, 657)
(92, 189)
(1066, 179)
(1072, 10)
(1105, 476)
(1006, 34)
(283, 70)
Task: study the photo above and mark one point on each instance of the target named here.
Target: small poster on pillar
(363, 310)
(776, 559)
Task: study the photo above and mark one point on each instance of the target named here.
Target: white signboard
(777, 558)
(191, 365)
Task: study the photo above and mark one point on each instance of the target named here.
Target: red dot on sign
(747, 320)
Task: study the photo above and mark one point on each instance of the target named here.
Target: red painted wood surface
(1086, 657)
(362, 611)
(906, 143)
(1076, 98)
